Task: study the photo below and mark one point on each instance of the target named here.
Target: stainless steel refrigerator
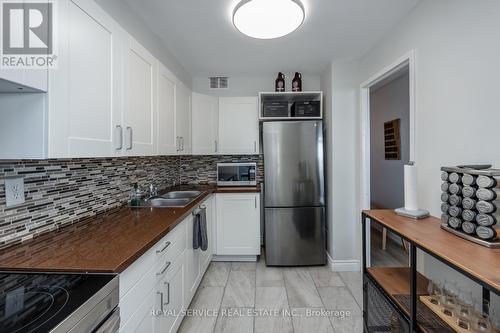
(294, 193)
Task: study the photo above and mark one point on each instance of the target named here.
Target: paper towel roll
(410, 187)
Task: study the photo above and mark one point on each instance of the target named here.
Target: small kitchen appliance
(237, 174)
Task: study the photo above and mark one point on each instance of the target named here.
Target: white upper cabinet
(238, 125)
(84, 92)
(108, 96)
(204, 124)
(166, 132)
(23, 80)
(183, 119)
(140, 102)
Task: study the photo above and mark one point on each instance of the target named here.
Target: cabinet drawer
(135, 272)
(150, 281)
(169, 248)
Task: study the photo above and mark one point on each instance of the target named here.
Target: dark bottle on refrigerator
(280, 82)
(297, 82)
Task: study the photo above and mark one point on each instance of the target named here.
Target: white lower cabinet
(238, 224)
(206, 256)
(196, 260)
(170, 295)
(158, 286)
(192, 262)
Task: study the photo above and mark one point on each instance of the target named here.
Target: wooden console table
(400, 287)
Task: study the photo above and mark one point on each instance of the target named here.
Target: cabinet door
(183, 119)
(84, 93)
(206, 256)
(166, 132)
(205, 122)
(238, 224)
(238, 125)
(140, 115)
(192, 263)
(142, 320)
(171, 299)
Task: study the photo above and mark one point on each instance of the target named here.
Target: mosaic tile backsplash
(62, 191)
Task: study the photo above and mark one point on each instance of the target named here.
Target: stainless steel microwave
(237, 174)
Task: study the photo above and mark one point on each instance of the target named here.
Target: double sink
(173, 199)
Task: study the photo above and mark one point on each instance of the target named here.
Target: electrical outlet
(14, 191)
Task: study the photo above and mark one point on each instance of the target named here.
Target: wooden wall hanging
(392, 140)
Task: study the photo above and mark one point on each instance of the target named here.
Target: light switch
(14, 191)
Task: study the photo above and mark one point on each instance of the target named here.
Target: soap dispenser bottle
(135, 196)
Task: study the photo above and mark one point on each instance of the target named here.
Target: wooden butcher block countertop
(106, 243)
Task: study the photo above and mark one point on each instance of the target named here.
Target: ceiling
(201, 35)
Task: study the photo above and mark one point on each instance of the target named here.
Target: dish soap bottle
(135, 196)
(297, 82)
(280, 82)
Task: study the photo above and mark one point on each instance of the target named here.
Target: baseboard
(249, 258)
(343, 265)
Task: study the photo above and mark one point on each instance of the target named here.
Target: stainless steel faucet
(153, 191)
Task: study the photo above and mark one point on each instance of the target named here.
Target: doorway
(388, 142)
(389, 152)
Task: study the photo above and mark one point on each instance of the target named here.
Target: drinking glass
(435, 293)
(465, 305)
(464, 322)
(481, 322)
(495, 320)
(450, 291)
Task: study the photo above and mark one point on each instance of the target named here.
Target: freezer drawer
(293, 163)
(295, 236)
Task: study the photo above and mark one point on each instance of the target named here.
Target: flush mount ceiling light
(267, 19)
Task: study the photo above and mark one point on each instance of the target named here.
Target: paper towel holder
(412, 213)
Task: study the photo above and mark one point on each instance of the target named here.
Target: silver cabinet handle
(255, 146)
(255, 202)
(129, 137)
(168, 293)
(167, 244)
(216, 146)
(118, 137)
(164, 268)
(182, 143)
(177, 143)
(161, 299)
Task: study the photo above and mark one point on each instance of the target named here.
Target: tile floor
(251, 297)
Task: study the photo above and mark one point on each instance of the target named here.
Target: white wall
(457, 54)
(388, 102)
(457, 51)
(251, 86)
(326, 81)
(121, 12)
(339, 83)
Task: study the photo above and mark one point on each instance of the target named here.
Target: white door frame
(407, 60)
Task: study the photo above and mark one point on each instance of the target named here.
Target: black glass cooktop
(34, 302)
